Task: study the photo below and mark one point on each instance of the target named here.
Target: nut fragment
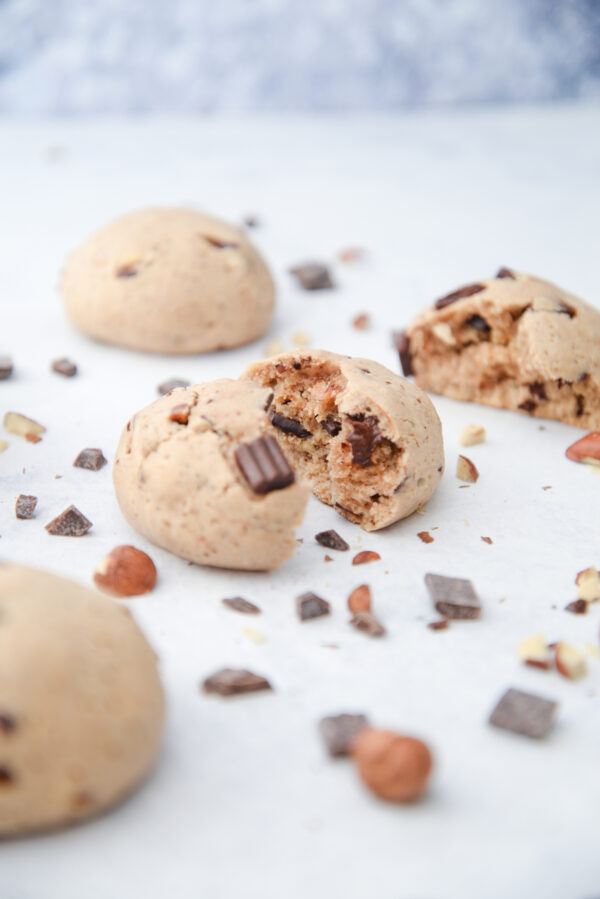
(3, 445)
(361, 322)
(366, 555)
(125, 571)
(570, 662)
(534, 651)
(588, 584)
(466, 470)
(393, 767)
(472, 434)
(443, 332)
(425, 536)
(180, 414)
(15, 423)
(360, 599)
(586, 450)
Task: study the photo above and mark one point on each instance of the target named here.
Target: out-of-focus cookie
(169, 281)
(368, 441)
(513, 341)
(197, 474)
(81, 704)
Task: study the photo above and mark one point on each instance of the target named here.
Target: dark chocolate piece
(402, 344)
(332, 426)
(288, 425)
(25, 506)
(91, 459)
(538, 389)
(338, 732)
(64, 367)
(442, 625)
(524, 713)
(527, 406)
(168, 386)
(505, 273)
(309, 605)
(567, 309)
(479, 324)
(8, 723)
(219, 243)
(363, 438)
(6, 367)
(70, 523)
(231, 681)
(332, 540)
(577, 607)
(263, 465)
(238, 604)
(313, 276)
(453, 597)
(365, 621)
(460, 294)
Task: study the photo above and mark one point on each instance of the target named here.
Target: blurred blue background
(137, 56)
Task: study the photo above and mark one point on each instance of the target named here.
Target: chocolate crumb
(332, 426)
(90, 459)
(251, 221)
(363, 438)
(70, 523)
(332, 540)
(64, 367)
(367, 555)
(338, 732)
(6, 367)
(487, 540)
(425, 536)
(527, 406)
(478, 323)
(505, 273)
(460, 294)
(288, 425)
(309, 605)
(128, 269)
(6, 776)
(327, 558)
(453, 597)
(442, 625)
(577, 607)
(25, 506)
(313, 276)
(8, 723)
(238, 604)
(365, 621)
(402, 343)
(171, 384)
(524, 713)
(232, 681)
(263, 465)
(538, 389)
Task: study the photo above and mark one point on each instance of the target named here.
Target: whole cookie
(368, 441)
(169, 281)
(81, 705)
(513, 341)
(190, 476)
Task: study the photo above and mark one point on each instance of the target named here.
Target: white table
(245, 802)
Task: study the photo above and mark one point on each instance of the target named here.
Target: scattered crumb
(441, 625)
(463, 486)
(273, 347)
(425, 536)
(549, 487)
(366, 555)
(253, 635)
(328, 559)
(300, 338)
(466, 470)
(330, 645)
(351, 254)
(487, 540)
(591, 650)
(472, 434)
(361, 321)
(467, 522)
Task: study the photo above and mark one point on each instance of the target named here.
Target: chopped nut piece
(442, 625)
(487, 540)
(360, 599)
(524, 713)
(300, 338)
(577, 607)
(588, 584)
(365, 556)
(466, 470)
(126, 571)
(534, 651)
(25, 506)
(254, 635)
(70, 523)
(231, 681)
(238, 604)
(570, 662)
(443, 332)
(361, 322)
(15, 423)
(309, 605)
(586, 450)
(172, 384)
(425, 536)
(91, 459)
(332, 540)
(64, 367)
(472, 434)
(6, 367)
(32, 438)
(365, 621)
(338, 732)
(180, 414)
(3, 445)
(393, 767)
(351, 254)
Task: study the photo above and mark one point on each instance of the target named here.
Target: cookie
(368, 441)
(194, 474)
(169, 281)
(81, 704)
(514, 342)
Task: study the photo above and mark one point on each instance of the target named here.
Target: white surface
(245, 801)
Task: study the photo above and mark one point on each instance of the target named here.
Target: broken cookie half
(368, 441)
(515, 342)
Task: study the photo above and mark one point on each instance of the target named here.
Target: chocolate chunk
(338, 732)
(8, 723)
(313, 276)
(479, 324)
(6, 776)
(538, 389)
(580, 404)
(70, 523)
(288, 425)
(25, 506)
(577, 607)
(230, 681)
(309, 605)
(332, 426)
(402, 344)
(453, 597)
(441, 625)
(460, 294)
(172, 384)
(566, 309)
(6, 367)
(363, 438)
(505, 273)
(219, 243)
(238, 604)
(180, 414)
(527, 406)
(263, 465)
(64, 367)
(332, 540)
(524, 713)
(91, 459)
(365, 621)
(425, 536)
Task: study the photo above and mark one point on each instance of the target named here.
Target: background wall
(76, 56)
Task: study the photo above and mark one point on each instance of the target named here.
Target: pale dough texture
(81, 704)
(169, 281)
(179, 484)
(519, 343)
(368, 441)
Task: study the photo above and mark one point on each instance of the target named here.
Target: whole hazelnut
(125, 571)
(393, 767)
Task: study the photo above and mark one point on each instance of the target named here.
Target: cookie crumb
(487, 540)
(425, 536)
(472, 434)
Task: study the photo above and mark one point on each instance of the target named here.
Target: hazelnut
(588, 584)
(570, 662)
(125, 571)
(472, 434)
(15, 423)
(393, 767)
(466, 470)
(360, 599)
(534, 651)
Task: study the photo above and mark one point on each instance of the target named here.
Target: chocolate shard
(363, 438)
(505, 273)
(25, 506)
(313, 276)
(6, 367)
(171, 384)
(453, 597)
(524, 713)
(239, 604)
(70, 523)
(479, 324)
(366, 622)
(527, 406)
(460, 294)
(263, 465)
(577, 607)
(288, 425)
(332, 540)
(338, 732)
(332, 426)
(309, 605)
(537, 388)
(91, 459)
(232, 681)
(402, 344)
(64, 367)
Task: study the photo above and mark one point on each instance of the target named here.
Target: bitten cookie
(169, 281)
(513, 341)
(196, 474)
(81, 704)
(369, 442)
